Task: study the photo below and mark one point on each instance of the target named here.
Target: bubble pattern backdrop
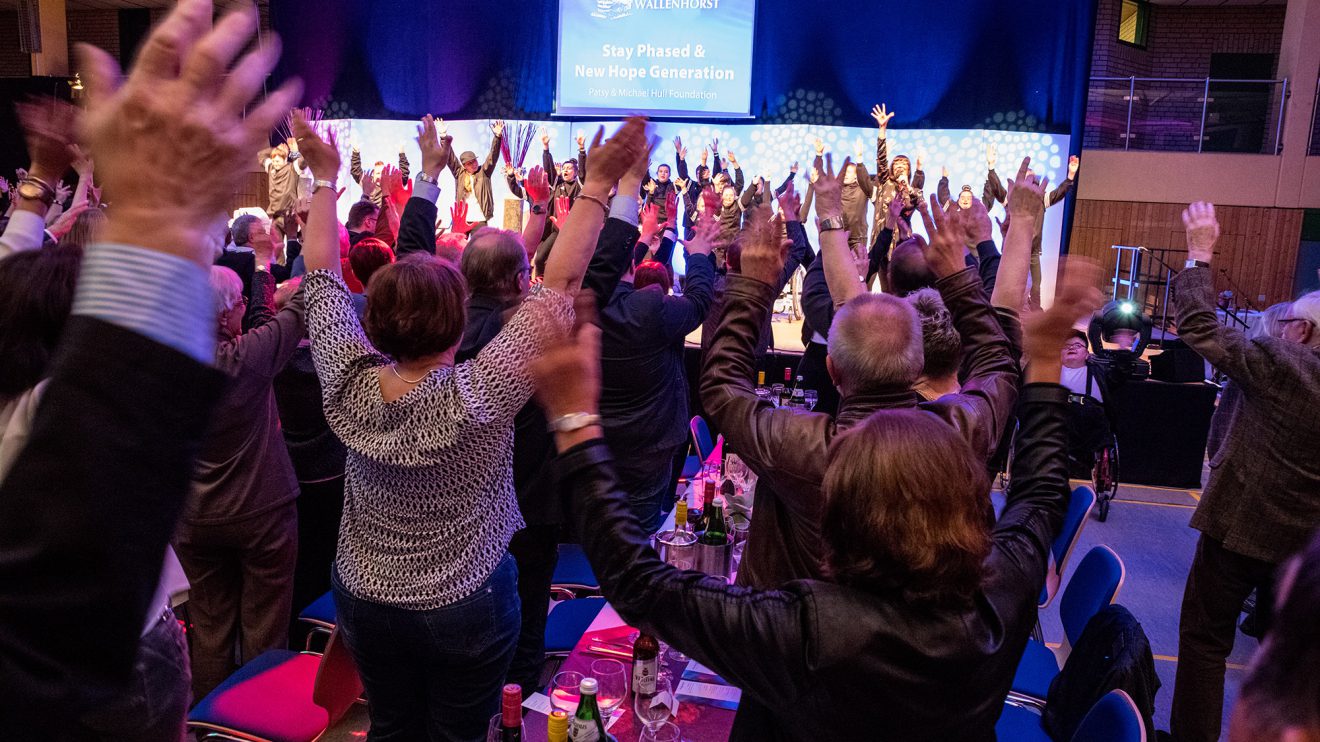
(767, 150)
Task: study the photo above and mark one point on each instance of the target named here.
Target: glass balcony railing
(1186, 115)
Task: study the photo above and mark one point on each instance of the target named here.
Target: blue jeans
(434, 674)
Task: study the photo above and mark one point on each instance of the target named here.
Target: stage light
(1126, 307)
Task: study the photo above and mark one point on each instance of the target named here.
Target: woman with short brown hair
(424, 586)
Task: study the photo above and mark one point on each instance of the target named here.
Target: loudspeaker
(1178, 365)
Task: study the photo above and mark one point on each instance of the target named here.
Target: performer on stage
(472, 180)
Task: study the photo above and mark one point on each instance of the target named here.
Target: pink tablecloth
(698, 722)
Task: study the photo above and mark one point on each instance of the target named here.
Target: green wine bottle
(587, 726)
(717, 532)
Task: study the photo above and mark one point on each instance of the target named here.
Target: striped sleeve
(163, 297)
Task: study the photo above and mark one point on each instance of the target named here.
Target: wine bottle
(799, 399)
(785, 390)
(556, 727)
(587, 725)
(761, 391)
(708, 497)
(680, 516)
(716, 532)
(511, 713)
(645, 664)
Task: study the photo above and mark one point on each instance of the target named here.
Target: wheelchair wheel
(1105, 478)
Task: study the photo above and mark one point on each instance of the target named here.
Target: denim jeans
(434, 674)
(153, 706)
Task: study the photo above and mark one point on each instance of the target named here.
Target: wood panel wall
(1257, 246)
(251, 192)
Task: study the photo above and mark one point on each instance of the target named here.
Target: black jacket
(481, 189)
(821, 661)
(644, 390)
(532, 447)
(85, 514)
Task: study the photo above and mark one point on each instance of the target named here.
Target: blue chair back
(701, 436)
(1093, 586)
(1114, 718)
(1079, 507)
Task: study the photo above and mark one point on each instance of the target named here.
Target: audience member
(1262, 501)
(909, 626)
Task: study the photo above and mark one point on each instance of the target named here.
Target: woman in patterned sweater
(423, 583)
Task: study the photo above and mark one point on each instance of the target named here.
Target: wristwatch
(1196, 264)
(31, 189)
(830, 223)
(538, 209)
(574, 421)
(427, 179)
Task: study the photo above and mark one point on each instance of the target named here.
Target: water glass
(809, 398)
(655, 709)
(666, 732)
(565, 693)
(612, 679)
(495, 731)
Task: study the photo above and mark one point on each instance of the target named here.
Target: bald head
(875, 340)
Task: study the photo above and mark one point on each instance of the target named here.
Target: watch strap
(1196, 264)
(830, 223)
(46, 193)
(322, 183)
(573, 421)
(427, 179)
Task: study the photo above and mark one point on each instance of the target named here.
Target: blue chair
(568, 621)
(573, 573)
(1114, 718)
(320, 614)
(281, 696)
(1093, 586)
(1079, 511)
(701, 439)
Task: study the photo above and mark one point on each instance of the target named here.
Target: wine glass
(656, 708)
(565, 693)
(809, 398)
(612, 680)
(666, 732)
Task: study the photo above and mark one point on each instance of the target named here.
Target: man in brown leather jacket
(787, 448)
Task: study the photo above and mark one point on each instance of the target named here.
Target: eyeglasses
(1074, 346)
(1294, 319)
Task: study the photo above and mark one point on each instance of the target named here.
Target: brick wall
(1179, 43)
(99, 28)
(13, 63)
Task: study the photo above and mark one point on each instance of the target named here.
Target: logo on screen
(613, 9)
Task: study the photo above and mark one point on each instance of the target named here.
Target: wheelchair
(1103, 469)
(1093, 449)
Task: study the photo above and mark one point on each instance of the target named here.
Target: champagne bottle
(799, 399)
(716, 532)
(645, 664)
(587, 726)
(761, 391)
(680, 516)
(556, 727)
(511, 713)
(785, 390)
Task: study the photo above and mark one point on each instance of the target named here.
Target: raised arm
(493, 157)
(577, 235)
(1025, 209)
(538, 192)
(417, 222)
(355, 168)
(683, 314)
(48, 130)
(1064, 188)
(840, 263)
(882, 118)
(817, 304)
(680, 159)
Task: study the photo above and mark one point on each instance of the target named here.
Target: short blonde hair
(227, 288)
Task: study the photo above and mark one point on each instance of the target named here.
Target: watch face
(33, 192)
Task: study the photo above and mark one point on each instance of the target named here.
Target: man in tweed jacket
(1263, 499)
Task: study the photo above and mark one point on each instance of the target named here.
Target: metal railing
(1177, 114)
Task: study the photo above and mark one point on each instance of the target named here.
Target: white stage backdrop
(765, 149)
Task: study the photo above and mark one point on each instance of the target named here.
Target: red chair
(281, 696)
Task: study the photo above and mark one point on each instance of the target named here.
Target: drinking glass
(495, 730)
(776, 392)
(666, 732)
(655, 709)
(565, 693)
(809, 398)
(612, 688)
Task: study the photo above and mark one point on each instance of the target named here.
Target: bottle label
(584, 730)
(644, 672)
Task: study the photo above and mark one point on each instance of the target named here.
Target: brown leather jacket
(788, 448)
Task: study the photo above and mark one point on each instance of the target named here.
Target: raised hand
(497, 127)
(4, 185)
(458, 216)
(794, 169)
(710, 201)
(181, 111)
(1026, 194)
(944, 172)
(48, 127)
(390, 180)
(1074, 162)
(765, 247)
(610, 160)
(537, 185)
(62, 192)
(704, 235)
(442, 129)
(650, 222)
(82, 162)
(1044, 333)
(545, 137)
(649, 187)
(790, 203)
(715, 145)
(918, 162)
(678, 144)
(562, 206)
(671, 208)
(820, 147)
(704, 153)
(435, 151)
(369, 183)
(682, 154)
(732, 159)
(829, 189)
(680, 186)
(881, 116)
(814, 175)
(947, 233)
(991, 155)
(581, 139)
(976, 223)
(1202, 231)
